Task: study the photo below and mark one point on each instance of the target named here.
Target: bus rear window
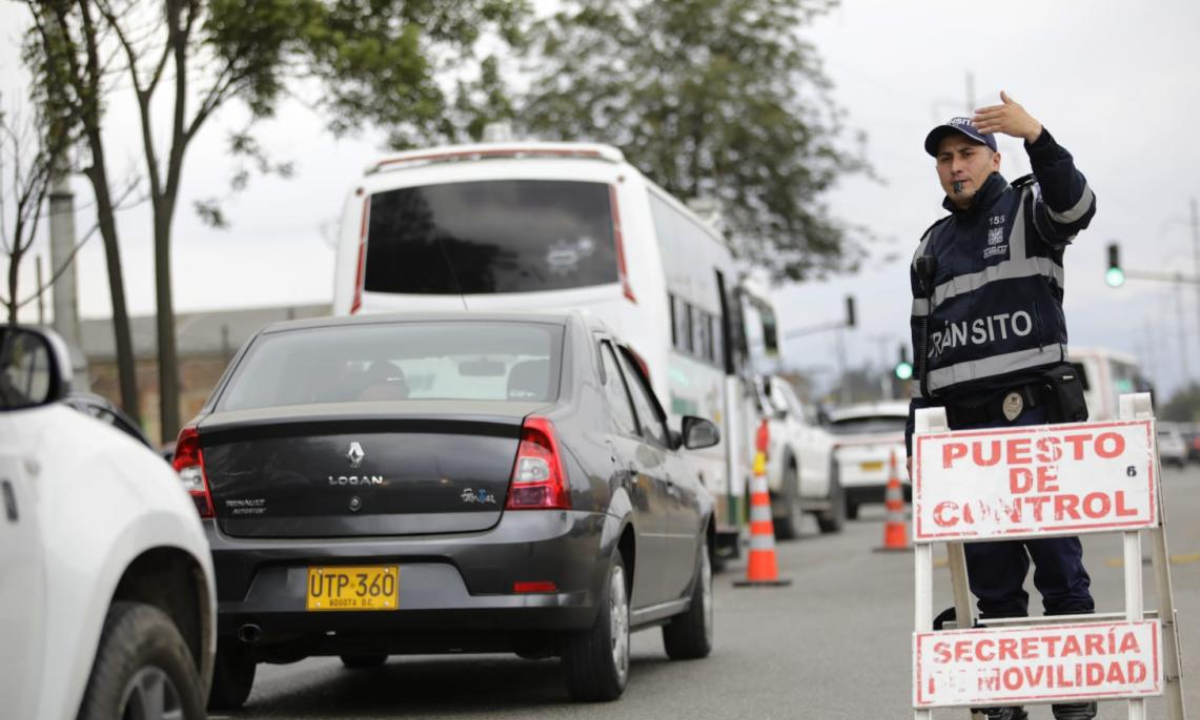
(495, 236)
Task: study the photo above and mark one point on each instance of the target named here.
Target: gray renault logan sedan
(393, 484)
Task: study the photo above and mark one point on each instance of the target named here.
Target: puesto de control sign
(1047, 664)
(1063, 479)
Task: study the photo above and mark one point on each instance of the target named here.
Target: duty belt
(993, 408)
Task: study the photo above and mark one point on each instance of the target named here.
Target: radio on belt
(1039, 481)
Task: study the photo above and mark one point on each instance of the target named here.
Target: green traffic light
(904, 371)
(1115, 277)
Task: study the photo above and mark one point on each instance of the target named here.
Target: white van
(1106, 375)
(535, 226)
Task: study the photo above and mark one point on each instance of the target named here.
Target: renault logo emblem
(355, 455)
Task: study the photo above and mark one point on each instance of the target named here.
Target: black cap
(961, 125)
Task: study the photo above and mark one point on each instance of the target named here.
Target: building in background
(207, 341)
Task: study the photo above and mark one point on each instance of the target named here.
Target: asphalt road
(835, 645)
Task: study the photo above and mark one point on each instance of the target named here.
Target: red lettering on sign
(1122, 510)
(1048, 450)
(1115, 442)
(1129, 643)
(1066, 506)
(1097, 505)
(1018, 451)
(1008, 649)
(1076, 442)
(939, 514)
(1046, 479)
(952, 452)
(1020, 480)
(991, 459)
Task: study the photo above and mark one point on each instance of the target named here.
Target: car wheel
(143, 669)
(597, 659)
(689, 636)
(363, 662)
(833, 519)
(787, 526)
(233, 677)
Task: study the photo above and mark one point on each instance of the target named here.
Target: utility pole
(1183, 359)
(844, 381)
(1196, 252)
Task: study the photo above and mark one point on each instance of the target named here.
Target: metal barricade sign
(1062, 663)
(1035, 481)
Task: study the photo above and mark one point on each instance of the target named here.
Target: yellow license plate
(873, 466)
(342, 588)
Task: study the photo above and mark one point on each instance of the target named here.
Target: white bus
(532, 226)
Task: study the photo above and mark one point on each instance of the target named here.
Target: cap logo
(956, 122)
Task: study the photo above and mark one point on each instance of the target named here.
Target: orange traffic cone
(763, 568)
(895, 530)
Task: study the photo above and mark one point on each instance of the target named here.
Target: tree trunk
(168, 355)
(122, 336)
(14, 263)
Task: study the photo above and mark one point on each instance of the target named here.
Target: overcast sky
(1115, 82)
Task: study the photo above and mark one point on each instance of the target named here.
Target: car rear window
(871, 425)
(503, 362)
(493, 236)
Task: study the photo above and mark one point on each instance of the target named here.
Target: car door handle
(10, 501)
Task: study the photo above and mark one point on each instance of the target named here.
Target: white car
(798, 463)
(107, 603)
(1172, 448)
(867, 438)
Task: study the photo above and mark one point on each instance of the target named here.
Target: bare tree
(26, 165)
(66, 51)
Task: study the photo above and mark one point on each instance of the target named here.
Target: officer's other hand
(1008, 118)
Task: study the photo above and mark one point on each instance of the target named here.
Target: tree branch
(117, 206)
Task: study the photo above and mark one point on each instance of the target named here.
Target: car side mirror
(699, 433)
(34, 368)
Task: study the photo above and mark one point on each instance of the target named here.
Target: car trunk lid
(358, 469)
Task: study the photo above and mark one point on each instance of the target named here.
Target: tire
(233, 677)
(142, 663)
(834, 519)
(787, 527)
(363, 662)
(597, 659)
(689, 636)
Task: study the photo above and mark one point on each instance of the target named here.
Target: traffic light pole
(1161, 277)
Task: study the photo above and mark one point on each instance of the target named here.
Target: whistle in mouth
(958, 186)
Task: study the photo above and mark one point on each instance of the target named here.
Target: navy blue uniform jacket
(991, 317)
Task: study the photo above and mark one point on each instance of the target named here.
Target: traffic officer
(989, 333)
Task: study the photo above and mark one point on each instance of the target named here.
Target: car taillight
(356, 303)
(538, 479)
(189, 463)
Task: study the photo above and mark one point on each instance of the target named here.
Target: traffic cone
(895, 529)
(763, 567)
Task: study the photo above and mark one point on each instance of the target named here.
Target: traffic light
(904, 368)
(849, 311)
(1114, 276)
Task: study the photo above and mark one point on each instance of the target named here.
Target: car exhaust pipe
(249, 633)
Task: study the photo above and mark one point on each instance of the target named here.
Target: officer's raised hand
(1009, 118)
